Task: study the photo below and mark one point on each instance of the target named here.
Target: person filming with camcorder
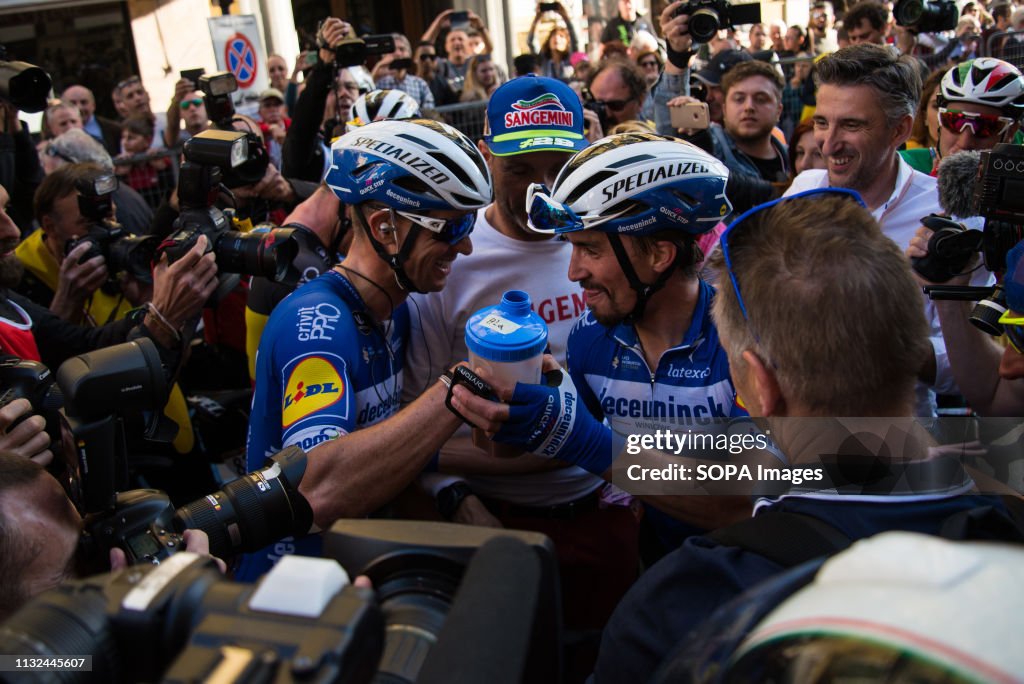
(981, 325)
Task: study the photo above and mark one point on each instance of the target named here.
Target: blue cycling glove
(549, 420)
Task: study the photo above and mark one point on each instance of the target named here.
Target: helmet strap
(643, 290)
(395, 261)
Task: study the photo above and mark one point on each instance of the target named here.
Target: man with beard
(753, 105)
(594, 530)
(646, 350)
(30, 331)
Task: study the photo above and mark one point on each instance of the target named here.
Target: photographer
(66, 284)
(305, 154)
(989, 375)
(39, 534)
(393, 73)
(187, 102)
(20, 168)
(32, 332)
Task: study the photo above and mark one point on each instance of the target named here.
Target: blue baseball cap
(534, 114)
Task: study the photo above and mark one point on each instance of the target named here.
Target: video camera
(24, 85)
(927, 16)
(998, 197)
(473, 600)
(122, 251)
(708, 17)
(207, 156)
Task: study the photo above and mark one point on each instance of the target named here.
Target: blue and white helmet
(633, 184)
(413, 164)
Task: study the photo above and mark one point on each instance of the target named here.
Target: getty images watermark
(876, 456)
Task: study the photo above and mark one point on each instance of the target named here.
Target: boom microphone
(957, 175)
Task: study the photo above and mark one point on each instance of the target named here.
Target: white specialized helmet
(378, 105)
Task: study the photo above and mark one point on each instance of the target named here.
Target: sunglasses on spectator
(195, 102)
(427, 57)
(449, 231)
(981, 125)
(729, 236)
(613, 104)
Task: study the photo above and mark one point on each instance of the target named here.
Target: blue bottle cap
(507, 332)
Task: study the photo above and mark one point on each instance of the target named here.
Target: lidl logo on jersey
(313, 384)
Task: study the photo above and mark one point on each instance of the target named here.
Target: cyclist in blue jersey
(329, 364)
(646, 352)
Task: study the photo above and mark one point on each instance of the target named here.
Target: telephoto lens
(255, 510)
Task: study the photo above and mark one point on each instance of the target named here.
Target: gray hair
(894, 78)
(77, 145)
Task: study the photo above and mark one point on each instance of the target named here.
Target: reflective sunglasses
(1013, 328)
(547, 215)
(449, 231)
(195, 102)
(981, 125)
(734, 227)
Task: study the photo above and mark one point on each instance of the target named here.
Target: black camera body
(140, 524)
(927, 16)
(178, 621)
(24, 379)
(708, 17)
(446, 595)
(123, 251)
(351, 51)
(207, 155)
(1000, 200)
(24, 85)
(601, 110)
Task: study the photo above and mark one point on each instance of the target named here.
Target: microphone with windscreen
(952, 245)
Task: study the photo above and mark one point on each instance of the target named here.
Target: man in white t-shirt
(866, 100)
(534, 125)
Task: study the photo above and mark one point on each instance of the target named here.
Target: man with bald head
(105, 131)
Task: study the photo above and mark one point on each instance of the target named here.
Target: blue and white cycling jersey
(324, 369)
(690, 386)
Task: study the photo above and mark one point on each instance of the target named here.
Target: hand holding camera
(675, 27)
(180, 290)
(82, 272)
(22, 432)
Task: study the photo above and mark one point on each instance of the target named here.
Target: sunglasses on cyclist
(194, 102)
(449, 231)
(547, 215)
(981, 125)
